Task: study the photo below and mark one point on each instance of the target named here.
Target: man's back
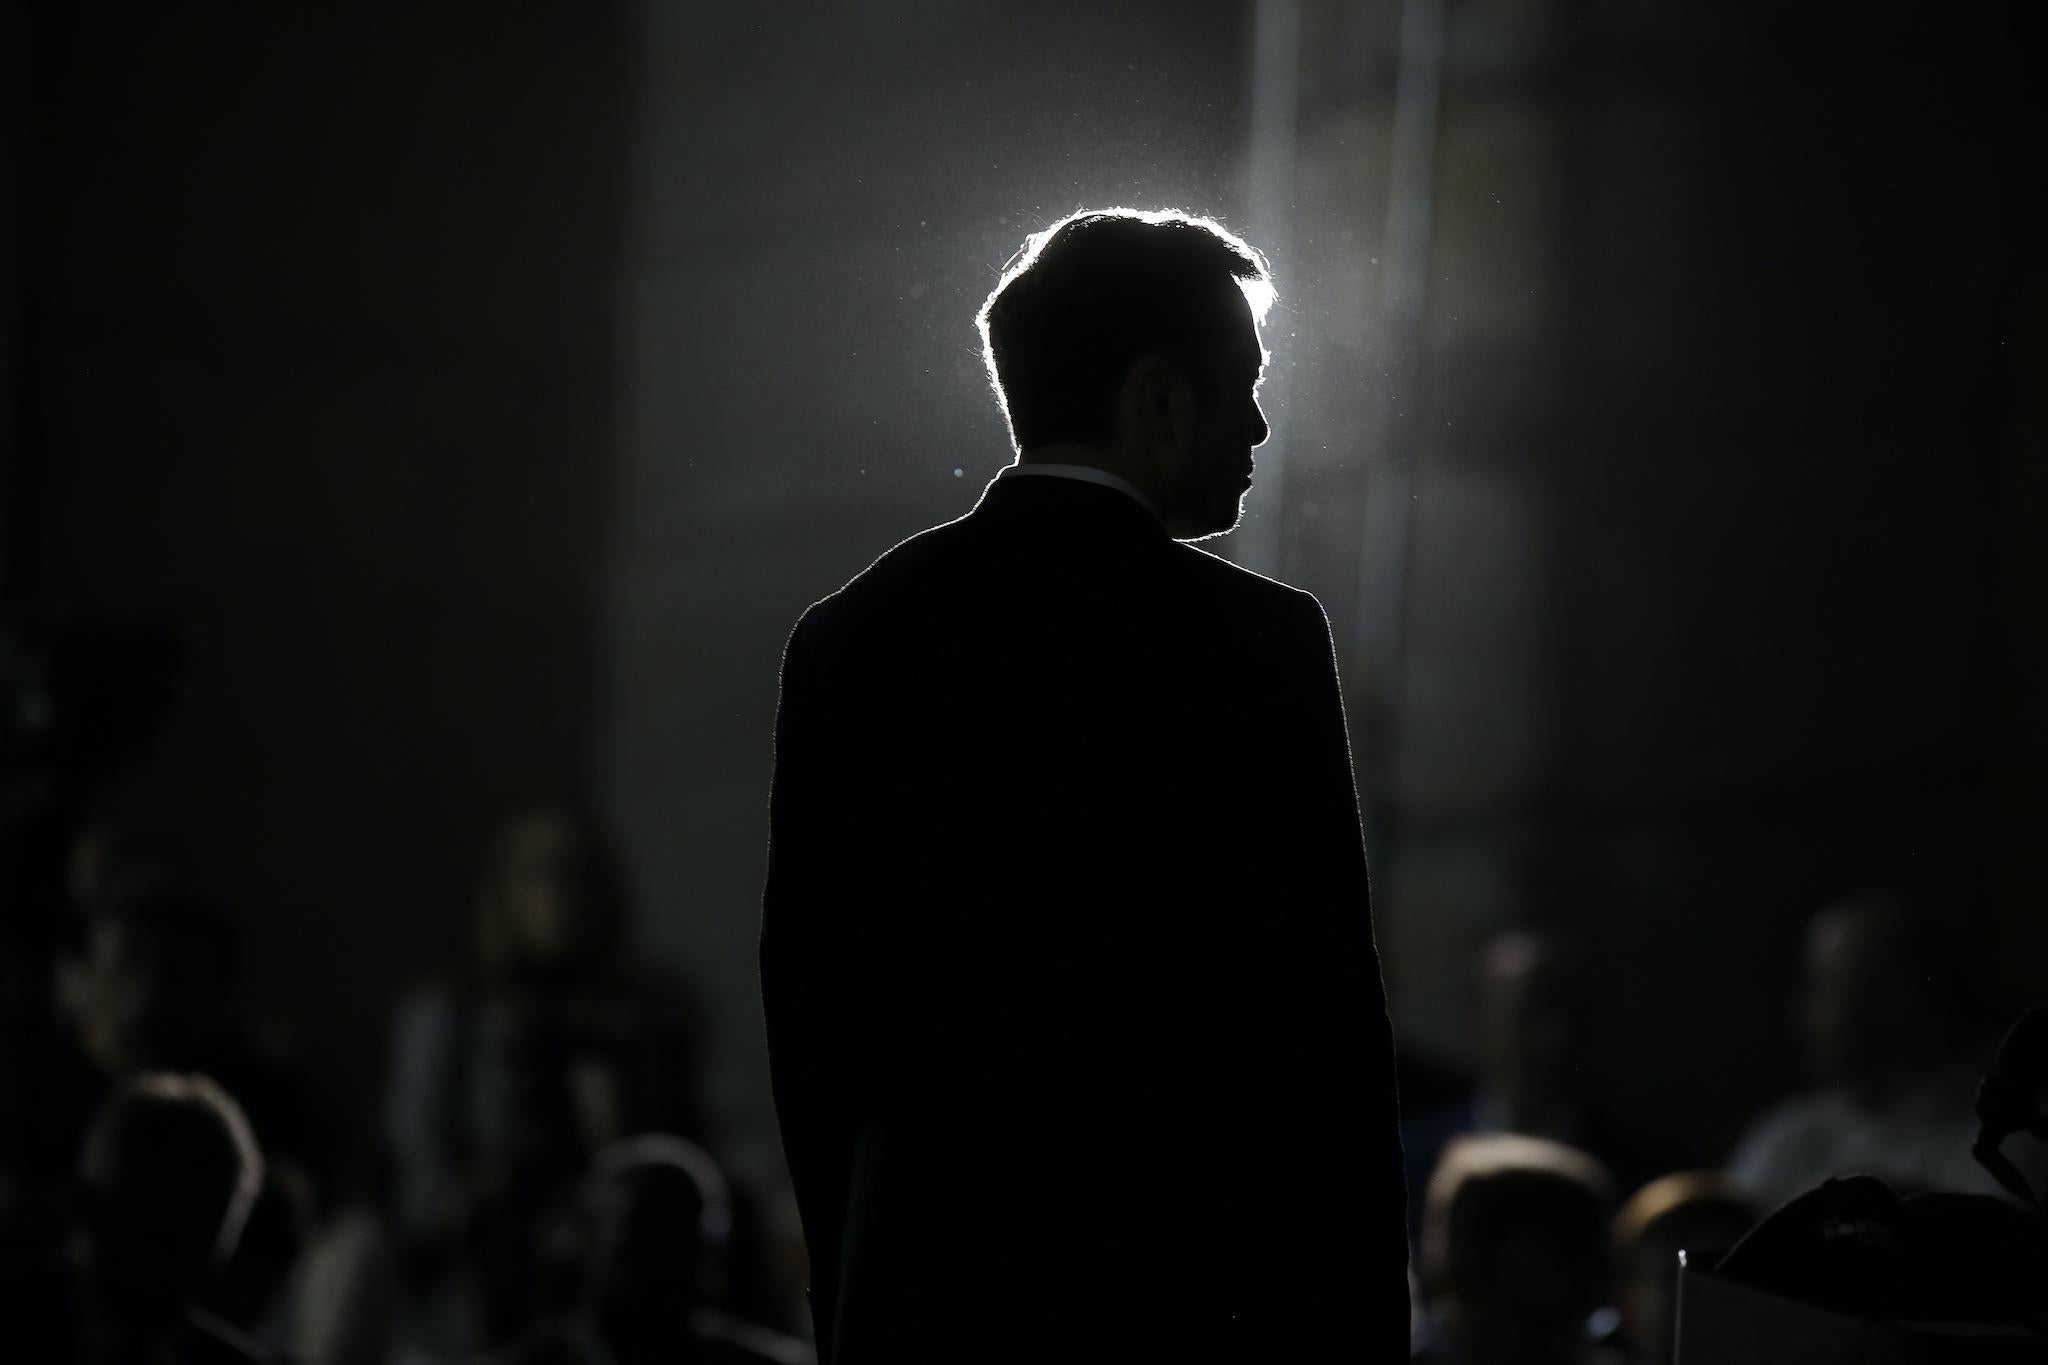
(1076, 1024)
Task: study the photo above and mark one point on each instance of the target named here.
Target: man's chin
(1208, 528)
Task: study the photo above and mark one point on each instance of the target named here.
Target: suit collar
(1085, 474)
(1051, 497)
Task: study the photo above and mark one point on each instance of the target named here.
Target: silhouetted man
(1075, 1018)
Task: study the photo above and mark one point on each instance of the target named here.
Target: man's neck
(1109, 459)
(1136, 473)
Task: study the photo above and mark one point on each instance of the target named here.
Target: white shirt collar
(1087, 474)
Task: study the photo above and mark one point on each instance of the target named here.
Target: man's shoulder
(930, 559)
(1213, 572)
(913, 561)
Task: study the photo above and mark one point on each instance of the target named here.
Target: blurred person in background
(79, 701)
(1514, 1254)
(1882, 1016)
(156, 986)
(47, 1090)
(168, 1176)
(648, 1238)
(505, 1083)
(1531, 1023)
(1701, 1213)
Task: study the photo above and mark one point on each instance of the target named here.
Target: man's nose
(1259, 429)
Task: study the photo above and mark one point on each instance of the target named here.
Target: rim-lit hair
(1487, 1181)
(628, 1157)
(1088, 295)
(191, 1120)
(1683, 1200)
(670, 1187)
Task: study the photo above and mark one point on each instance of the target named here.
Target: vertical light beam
(1383, 554)
(1276, 76)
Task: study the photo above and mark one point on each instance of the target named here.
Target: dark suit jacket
(1075, 1020)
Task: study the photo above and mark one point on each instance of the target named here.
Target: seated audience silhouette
(650, 1228)
(1697, 1212)
(503, 1085)
(1514, 1254)
(157, 987)
(169, 1174)
(1896, 1084)
(47, 1092)
(1530, 1023)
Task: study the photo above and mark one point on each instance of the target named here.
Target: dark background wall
(1716, 419)
(482, 392)
(1783, 654)
(314, 360)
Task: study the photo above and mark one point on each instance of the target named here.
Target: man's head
(1135, 336)
(1514, 1247)
(1530, 1023)
(1878, 1000)
(169, 1173)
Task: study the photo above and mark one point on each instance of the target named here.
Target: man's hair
(1087, 296)
(1488, 1188)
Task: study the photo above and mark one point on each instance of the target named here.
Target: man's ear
(1158, 399)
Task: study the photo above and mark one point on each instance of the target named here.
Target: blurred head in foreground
(1515, 1248)
(655, 1215)
(1690, 1211)
(169, 1172)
